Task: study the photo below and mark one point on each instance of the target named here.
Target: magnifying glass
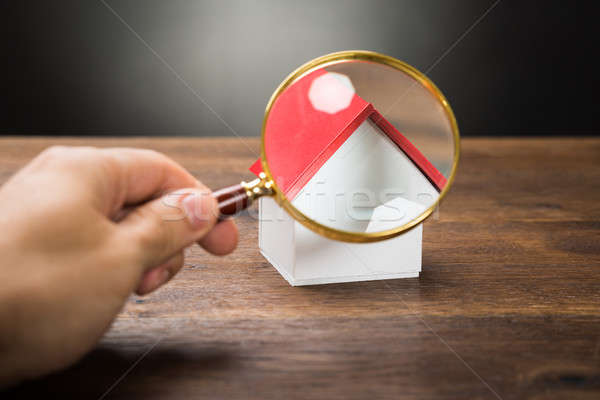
(357, 146)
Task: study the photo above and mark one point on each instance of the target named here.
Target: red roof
(299, 138)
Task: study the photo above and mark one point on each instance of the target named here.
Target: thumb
(163, 227)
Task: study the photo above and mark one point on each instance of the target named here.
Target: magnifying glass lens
(359, 146)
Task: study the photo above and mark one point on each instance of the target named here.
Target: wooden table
(507, 305)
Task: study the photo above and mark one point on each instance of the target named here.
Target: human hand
(83, 228)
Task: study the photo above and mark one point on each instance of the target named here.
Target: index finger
(138, 175)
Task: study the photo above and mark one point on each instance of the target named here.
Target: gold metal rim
(332, 233)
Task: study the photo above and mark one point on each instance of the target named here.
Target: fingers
(161, 228)
(222, 239)
(133, 176)
(115, 177)
(160, 275)
(141, 174)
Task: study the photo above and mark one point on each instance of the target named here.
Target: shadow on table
(98, 373)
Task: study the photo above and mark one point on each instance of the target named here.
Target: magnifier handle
(236, 198)
(232, 200)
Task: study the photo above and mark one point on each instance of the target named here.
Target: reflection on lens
(359, 146)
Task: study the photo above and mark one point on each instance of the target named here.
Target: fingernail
(159, 278)
(198, 209)
(163, 277)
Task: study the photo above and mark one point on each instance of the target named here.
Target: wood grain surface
(507, 305)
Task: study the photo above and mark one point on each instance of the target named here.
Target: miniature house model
(345, 166)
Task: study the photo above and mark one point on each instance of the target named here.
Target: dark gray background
(71, 67)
